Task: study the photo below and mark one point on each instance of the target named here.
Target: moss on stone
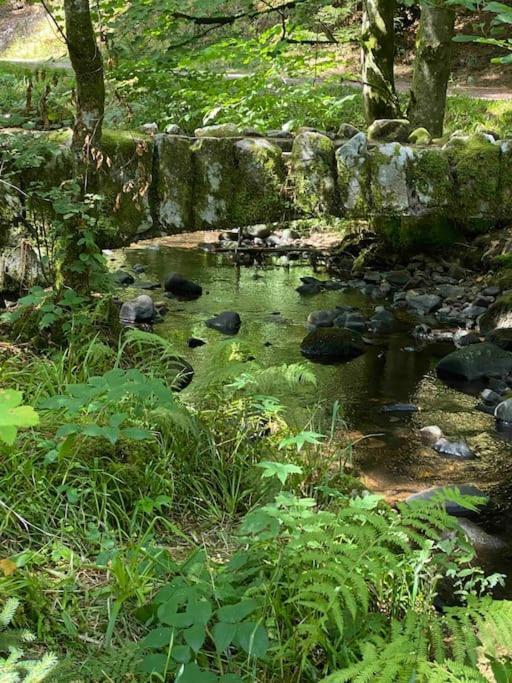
(506, 180)
(353, 177)
(412, 233)
(313, 175)
(430, 181)
(388, 179)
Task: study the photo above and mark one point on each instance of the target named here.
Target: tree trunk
(87, 64)
(432, 67)
(377, 56)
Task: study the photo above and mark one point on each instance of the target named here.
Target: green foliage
(14, 668)
(14, 416)
(497, 34)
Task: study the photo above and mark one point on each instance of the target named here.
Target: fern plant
(13, 667)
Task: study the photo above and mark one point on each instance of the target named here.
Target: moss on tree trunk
(377, 56)
(432, 67)
(87, 64)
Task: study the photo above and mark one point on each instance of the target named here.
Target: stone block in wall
(215, 180)
(430, 182)
(174, 183)
(475, 165)
(125, 178)
(353, 176)
(389, 169)
(259, 188)
(313, 175)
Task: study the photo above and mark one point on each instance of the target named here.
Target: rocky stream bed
(409, 351)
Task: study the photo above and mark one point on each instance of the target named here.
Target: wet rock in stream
(474, 362)
(331, 345)
(180, 287)
(139, 310)
(453, 449)
(227, 322)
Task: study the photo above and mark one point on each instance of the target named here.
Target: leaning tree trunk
(87, 64)
(432, 67)
(377, 56)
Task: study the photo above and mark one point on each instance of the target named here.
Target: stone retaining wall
(173, 183)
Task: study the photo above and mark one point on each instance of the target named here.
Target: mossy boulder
(125, 178)
(410, 233)
(499, 314)
(506, 180)
(389, 174)
(420, 136)
(353, 171)
(215, 179)
(261, 173)
(389, 130)
(174, 179)
(313, 174)
(475, 362)
(331, 345)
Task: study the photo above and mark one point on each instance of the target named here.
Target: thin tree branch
(231, 18)
(52, 17)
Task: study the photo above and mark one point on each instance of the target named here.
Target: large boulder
(313, 174)
(215, 179)
(389, 166)
(219, 130)
(474, 362)
(20, 268)
(331, 345)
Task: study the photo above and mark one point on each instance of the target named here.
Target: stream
(394, 369)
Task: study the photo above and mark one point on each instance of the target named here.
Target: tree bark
(432, 67)
(377, 56)
(87, 64)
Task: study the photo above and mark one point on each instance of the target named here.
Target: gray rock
(309, 289)
(453, 449)
(347, 131)
(477, 361)
(173, 129)
(491, 397)
(498, 385)
(463, 338)
(221, 130)
(389, 130)
(288, 235)
(482, 542)
(429, 435)
(423, 303)
(492, 290)
(258, 231)
(322, 318)
(121, 277)
(331, 345)
(451, 507)
(351, 320)
(227, 322)
(179, 286)
(400, 408)
(149, 128)
(139, 310)
(382, 321)
(473, 312)
(503, 411)
(502, 337)
(399, 278)
(451, 291)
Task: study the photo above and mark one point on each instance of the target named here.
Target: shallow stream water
(393, 370)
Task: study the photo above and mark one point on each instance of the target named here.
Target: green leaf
(199, 611)
(181, 653)
(223, 635)
(281, 470)
(252, 638)
(194, 636)
(299, 440)
(155, 663)
(158, 637)
(233, 614)
(14, 416)
(191, 673)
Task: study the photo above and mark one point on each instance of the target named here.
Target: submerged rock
(227, 322)
(176, 284)
(194, 343)
(322, 318)
(331, 345)
(477, 361)
(400, 408)
(453, 449)
(451, 507)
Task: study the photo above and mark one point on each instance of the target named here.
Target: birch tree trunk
(377, 56)
(432, 67)
(87, 64)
